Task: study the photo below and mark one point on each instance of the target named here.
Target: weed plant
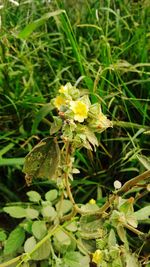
(102, 47)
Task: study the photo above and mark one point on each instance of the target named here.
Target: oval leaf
(51, 195)
(15, 211)
(34, 196)
(49, 212)
(29, 244)
(39, 229)
(15, 240)
(42, 252)
(31, 213)
(65, 206)
(143, 214)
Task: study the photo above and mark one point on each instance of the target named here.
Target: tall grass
(100, 45)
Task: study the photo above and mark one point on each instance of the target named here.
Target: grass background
(102, 46)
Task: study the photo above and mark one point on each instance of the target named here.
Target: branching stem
(126, 187)
(27, 256)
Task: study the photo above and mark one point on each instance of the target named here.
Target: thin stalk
(76, 208)
(134, 230)
(126, 187)
(27, 256)
(133, 182)
(12, 261)
(38, 245)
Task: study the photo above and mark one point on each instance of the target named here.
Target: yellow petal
(97, 256)
(80, 110)
(59, 101)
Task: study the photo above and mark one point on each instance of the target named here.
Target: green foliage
(101, 47)
(3, 236)
(39, 229)
(14, 241)
(45, 237)
(34, 196)
(51, 195)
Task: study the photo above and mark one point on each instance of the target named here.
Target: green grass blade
(45, 110)
(11, 161)
(28, 30)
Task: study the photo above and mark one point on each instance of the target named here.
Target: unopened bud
(117, 184)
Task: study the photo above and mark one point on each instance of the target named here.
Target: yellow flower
(97, 256)
(59, 101)
(63, 89)
(80, 110)
(92, 201)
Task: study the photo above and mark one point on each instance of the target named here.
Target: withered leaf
(43, 160)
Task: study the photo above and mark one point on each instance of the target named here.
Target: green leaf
(15, 240)
(145, 161)
(42, 252)
(62, 237)
(63, 242)
(117, 218)
(11, 161)
(27, 226)
(114, 251)
(3, 236)
(143, 214)
(65, 206)
(31, 213)
(19, 212)
(29, 244)
(43, 160)
(56, 125)
(72, 226)
(131, 260)
(51, 195)
(74, 259)
(122, 234)
(34, 196)
(39, 229)
(6, 148)
(131, 219)
(127, 206)
(45, 110)
(15, 211)
(27, 31)
(117, 262)
(48, 212)
(112, 242)
(26, 264)
(89, 207)
(91, 226)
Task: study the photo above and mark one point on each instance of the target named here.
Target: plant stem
(134, 230)
(129, 184)
(38, 245)
(69, 216)
(76, 208)
(12, 261)
(27, 256)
